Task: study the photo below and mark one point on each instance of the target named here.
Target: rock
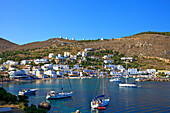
(44, 105)
(78, 111)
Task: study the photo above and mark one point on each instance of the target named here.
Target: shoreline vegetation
(14, 102)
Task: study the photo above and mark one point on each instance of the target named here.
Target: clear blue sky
(23, 21)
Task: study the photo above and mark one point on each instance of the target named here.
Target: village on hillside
(86, 64)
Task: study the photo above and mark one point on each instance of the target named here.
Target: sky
(25, 21)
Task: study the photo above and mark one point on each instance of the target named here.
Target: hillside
(149, 47)
(155, 45)
(5, 45)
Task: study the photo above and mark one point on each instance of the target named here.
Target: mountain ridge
(143, 44)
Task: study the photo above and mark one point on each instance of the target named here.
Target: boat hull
(27, 92)
(96, 104)
(59, 96)
(128, 85)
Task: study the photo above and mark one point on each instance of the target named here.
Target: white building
(10, 62)
(151, 71)
(51, 73)
(59, 73)
(88, 49)
(37, 61)
(60, 56)
(73, 38)
(11, 68)
(79, 53)
(61, 67)
(51, 55)
(102, 39)
(107, 61)
(18, 74)
(84, 54)
(76, 67)
(66, 38)
(73, 57)
(133, 71)
(67, 54)
(60, 36)
(127, 58)
(24, 62)
(2, 68)
(47, 66)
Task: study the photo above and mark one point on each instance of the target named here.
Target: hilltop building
(51, 55)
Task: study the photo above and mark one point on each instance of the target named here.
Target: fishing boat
(116, 79)
(59, 95)
(27, 92)
(100, 101)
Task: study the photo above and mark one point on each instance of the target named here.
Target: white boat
(27, 92)
(101, 101)
(116, 79)
(133, 85)
(57, 95)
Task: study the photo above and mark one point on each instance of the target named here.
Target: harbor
(152, 96)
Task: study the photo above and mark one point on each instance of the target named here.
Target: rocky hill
(155, 45)
(5, 45)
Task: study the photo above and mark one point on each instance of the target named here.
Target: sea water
(151, 97)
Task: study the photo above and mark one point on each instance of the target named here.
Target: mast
(103, 80)
(62, 79)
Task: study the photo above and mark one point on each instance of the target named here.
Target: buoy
(101, 108)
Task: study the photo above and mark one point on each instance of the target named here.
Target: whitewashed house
(51, 55)
(2, 68)
(24, 62)
(151, 71)
(18, 74)
(107, 61)
(46, 67)
(133, 71)
(12, 68)
(51, 73)
(88, 49)
(61, 67)
(76, 67)
(84, 54)
(73, 57)
(10, 62)
(79, 53)
(67, 54)
(37, 61)
(128, 58)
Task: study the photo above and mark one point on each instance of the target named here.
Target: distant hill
(143, 44)
(5, 45)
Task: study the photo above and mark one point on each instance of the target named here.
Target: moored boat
(57, 95)
(27, 92)
(116, 79)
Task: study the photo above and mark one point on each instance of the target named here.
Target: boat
(132, 85)
(27, 92)
(100, 101)
(116, 79)
(59, 95)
